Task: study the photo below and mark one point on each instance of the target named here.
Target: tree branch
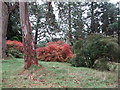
(12, 8)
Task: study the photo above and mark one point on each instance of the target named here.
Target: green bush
(112, 66)
(78, 45)
(78, 61)
(14, 53)
(14, 49)
(101, 64)
(93, 48)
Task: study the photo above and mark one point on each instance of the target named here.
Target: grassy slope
(54, 74)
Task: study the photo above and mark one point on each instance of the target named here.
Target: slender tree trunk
(36, 37)
(70, 29)
(29, 50)
(119, 25)
(92, 18)
(119, 31)
(119, 37)
(3, 28)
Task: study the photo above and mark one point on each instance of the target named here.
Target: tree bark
(5, 11)
(119, 31)
(3, 28)
(119, 37)
(29, 49)
(92, 18)
(36, 36)
(70, 28)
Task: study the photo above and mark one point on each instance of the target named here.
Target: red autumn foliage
(57, 42)
(15, 44)
(55, 51)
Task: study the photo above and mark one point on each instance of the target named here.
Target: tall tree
(35, 10)
(29, 50)
(77, 20)
(69, 22)
(119, 30)
(109, 12)
(44, 21)
(14, 31)
(3, 28)
(93, 14)
(118, 23)
(6, 10)
(51, 21)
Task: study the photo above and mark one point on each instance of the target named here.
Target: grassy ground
(54, 74)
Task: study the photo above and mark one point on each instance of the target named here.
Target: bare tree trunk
(36, 36)
(119, 25)
(119, 30)
(70, 28)
(29, 50)
(92, 19)
(119, 37)
(3, 28)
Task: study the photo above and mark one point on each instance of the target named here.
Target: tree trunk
(70, 28)
(119, 31)
(36, 36)
(0, 30)
(29, 50)
(3, 28)
(92, 18)
(119, 37)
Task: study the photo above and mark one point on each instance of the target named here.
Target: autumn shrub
(14, 48)
(95, 47)
(55, 51)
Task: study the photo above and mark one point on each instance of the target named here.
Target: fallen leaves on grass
(76, 81)
(36, 84)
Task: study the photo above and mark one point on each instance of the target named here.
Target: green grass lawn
(54, 74)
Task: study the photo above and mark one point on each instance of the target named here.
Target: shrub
(113, 66)
(55, 51)
(101, 64)
(14, 53)
(78, 61)
(95, 47)
(15, 44)
(78, 45)
(14, 48)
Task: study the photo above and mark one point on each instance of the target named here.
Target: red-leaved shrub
(15, 45)
(55, 51)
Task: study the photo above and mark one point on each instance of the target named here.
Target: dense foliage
(55, 51)
(95, 47)
(14, 48)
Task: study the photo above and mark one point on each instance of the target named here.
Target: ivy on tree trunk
(28, 45)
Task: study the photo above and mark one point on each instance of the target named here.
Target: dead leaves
(76, 81)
